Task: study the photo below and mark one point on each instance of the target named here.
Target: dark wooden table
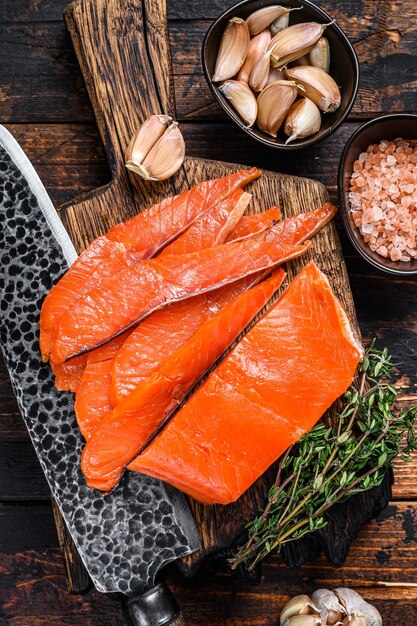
(44, 104)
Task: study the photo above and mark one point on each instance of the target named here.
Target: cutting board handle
(123, 50)
(155, 607)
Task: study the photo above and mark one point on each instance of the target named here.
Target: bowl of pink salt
(378, 192)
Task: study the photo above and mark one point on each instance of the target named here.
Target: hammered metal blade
(125, 537)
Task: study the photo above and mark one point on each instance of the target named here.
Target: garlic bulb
(233, 49)
(357, 608)
(294, 42)
(273, 105)
(257, 47)
(329, 607)
(320, 55)
(303, 120)
(242, 100)
(317, 85)
(157, 149)
(299, 605)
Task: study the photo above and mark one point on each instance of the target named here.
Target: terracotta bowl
(344, 68)
(386, 127)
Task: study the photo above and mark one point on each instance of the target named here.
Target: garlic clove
(320, 55)
(259, 75)
(294, 42)
(273, 105)
(145, 137)
(262, 18)
(299, 605)
(257, 47)
(242, 100)
(317, 85)
(232, 50)
(304, 60)
(303, 620)
(303, 120)
(280, 23)
(165, 157)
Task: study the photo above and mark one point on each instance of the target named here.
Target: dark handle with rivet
(155, 607)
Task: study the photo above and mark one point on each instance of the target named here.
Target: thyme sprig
(333, 462)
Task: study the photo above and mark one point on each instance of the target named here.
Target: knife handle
(155, 607)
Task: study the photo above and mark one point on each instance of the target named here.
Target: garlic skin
(145, 137)
(317, 85)
(303, 620)
(279, 24)
(303, 120)
(233, 49)
(242, 100)
(320, 55)
(329, 607)
(299, 605)
(358, 608)
(259, 75)
(262, 18)
(273, 105)
(165, 156)
(257, 47)
(294, 42)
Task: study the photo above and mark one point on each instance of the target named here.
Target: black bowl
(344, 68)
(387, 127)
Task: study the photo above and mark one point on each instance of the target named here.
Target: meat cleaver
(124, 537)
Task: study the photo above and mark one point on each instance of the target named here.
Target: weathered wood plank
(383, 33)
(33, 588)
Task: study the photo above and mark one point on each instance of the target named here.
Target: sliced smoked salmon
(122, 300)
(122, 434)
(270, 390)
(139, 238)
(164, 330)
(251, 224)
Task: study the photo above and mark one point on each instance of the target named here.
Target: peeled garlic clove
(320, 54)
(303, 620)
(233, 50)
(262, 18)
(259, 75)
(317, 85)
(303, 120)
(145, 137)
(274, 75)
(294, 42)
(299, 605)
(164, 158)
(241, 99)
(257, 47)
(327, 602)
(273, 105)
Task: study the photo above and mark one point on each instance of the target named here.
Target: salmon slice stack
(123, 434)
(139, 238)
(269, 391)
(161, 332)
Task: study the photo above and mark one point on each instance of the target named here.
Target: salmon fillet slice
(269, 391)
(166, 329)
(124, 299)
(139, 238)
(122, 434)
(251, 224)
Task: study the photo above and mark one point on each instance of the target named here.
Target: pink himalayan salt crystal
(383, 197)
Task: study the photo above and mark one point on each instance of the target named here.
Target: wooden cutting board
(123, 50)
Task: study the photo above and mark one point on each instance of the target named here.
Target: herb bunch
(331, 463)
